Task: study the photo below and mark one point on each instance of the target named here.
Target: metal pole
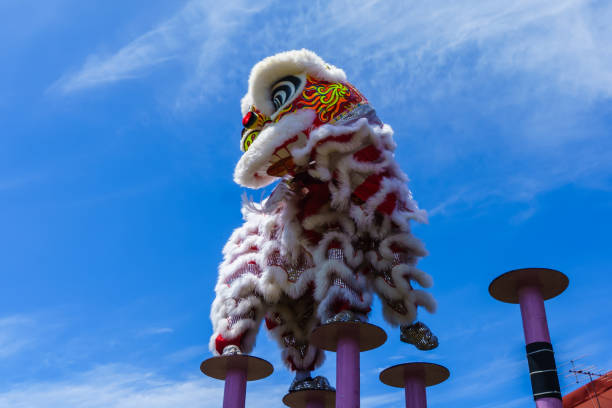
(413, 378)
(416, 395)
(535, 328)
(347, 369)
(234, 394)
(533, 313)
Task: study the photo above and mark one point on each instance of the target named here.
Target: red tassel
(221, 343)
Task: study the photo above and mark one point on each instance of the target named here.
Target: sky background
(120, 125)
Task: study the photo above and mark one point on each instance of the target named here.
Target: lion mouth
(281, 162)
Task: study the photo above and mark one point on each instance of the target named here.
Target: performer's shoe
(309, 383)
(420, 335)
(346, 316)
(231, 350)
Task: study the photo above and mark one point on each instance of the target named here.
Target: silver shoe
(231, 350)
(420, 335)
(309, 383)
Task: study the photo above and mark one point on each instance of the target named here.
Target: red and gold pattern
(329, 99)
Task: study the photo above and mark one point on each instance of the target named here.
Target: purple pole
(234, 394)
(416, 396)
(535, 327)
(533, 313)
(347, 369)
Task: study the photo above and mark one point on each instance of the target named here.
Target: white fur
(379, 252)
(269, 70)
(251, 168)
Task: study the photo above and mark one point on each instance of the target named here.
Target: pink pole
(234, 394)
(347, 370)
(535, 328)
(416, 396)
(533, 313)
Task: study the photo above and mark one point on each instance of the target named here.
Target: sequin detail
(250, 267)
(386, 275)
(399, 258)
(342, 284)
(420, 335)
(293, 271)
(302, 348)
(308, 383)
(232, 320)
(336, 254)
(397, 306)
(289, 340)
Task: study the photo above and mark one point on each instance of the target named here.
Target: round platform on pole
(433, 374)
(300, 399)
(370, 336)
(217, 367)
(551, 282)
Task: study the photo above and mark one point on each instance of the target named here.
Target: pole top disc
(369, 335)
(218, 366)
(300, 399)
(431, 373)
(551, 282)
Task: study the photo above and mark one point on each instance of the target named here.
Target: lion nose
(249, 119)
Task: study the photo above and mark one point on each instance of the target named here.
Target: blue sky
(120, 127)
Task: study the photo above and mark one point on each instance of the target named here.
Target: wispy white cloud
(515, 402)
(15, 334)
(157, 330)
(383, 400)
(188, 353)
(120, 386)
(486, 380)
(566, 39)
(196, 35)
(533, 70)
(162, 44)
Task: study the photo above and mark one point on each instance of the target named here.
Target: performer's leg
(236, 321)
(393, 269)
(341, 285)
(290, 323)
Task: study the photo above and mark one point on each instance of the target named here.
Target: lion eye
(284, 90)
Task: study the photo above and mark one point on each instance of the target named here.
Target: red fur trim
(318, 195)
(221, 343)
(291, 364)
(313, 236)
(369, 187)
(395, 247)
(367, 154)
(270, 324)
(388, 205)
(341, 138)
(341, 305)
(334, 244)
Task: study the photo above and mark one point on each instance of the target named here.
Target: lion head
(290, 95)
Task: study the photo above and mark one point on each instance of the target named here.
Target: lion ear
(271, 69)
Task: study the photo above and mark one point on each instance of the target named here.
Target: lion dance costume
(336, 228)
